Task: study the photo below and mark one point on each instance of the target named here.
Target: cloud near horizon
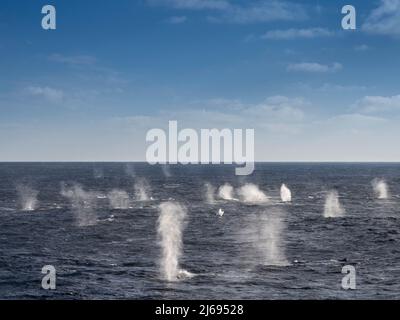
(220, 113)
(378, 104)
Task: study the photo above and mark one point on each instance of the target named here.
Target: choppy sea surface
(97, 224)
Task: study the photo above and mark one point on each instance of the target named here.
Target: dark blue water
(117, 254)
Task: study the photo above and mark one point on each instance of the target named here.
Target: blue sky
(112, 70)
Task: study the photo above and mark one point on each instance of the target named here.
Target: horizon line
(133, 161)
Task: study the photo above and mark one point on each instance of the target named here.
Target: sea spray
(210, 190)
(380, 188)
(82, 204)
(263, 238)
(171, 222)
(272, 227)
(333, 208)
(250, 193)
(226, 192)
(27, 197)
(98, 173)
(130, 170)
(166, 171)
(142, 190)
(119, 199)
(286, 194)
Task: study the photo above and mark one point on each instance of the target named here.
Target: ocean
(136, 231)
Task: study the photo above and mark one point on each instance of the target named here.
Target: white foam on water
(184, 274)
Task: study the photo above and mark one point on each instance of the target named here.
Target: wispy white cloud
(356, 119)
(279, 108)
(192, 4)
(48, 93)
(87, 68)
(247, 12)
(328, 88)
(176, 19)
(378, 104)
(339, 87)
(362, 47)
(314, 67)
(262, 11)
(218, 103)
(347, 132)
(290, 34)
(73, 60)
(385, 19)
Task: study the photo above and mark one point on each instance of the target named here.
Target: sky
(91, 89)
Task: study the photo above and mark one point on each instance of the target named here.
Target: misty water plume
(98, 173)
(333, 207)
(171, 223)
(142, 190)
(210, 191)
(82, 202)
(166, 171)
(250, 193)
(27, 197)
(286, 194)
(265, 232)
(381, 189)
(130, 170)
(226, 192)
(119, 199)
